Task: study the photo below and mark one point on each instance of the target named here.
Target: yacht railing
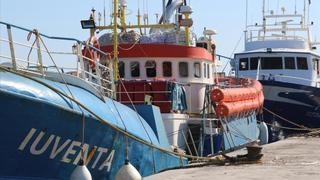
(259, 35)
(40, 60)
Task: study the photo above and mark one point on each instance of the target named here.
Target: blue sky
(62, 17)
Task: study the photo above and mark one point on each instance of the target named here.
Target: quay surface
(293, 158)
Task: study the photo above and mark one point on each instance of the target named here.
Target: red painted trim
(160, 50)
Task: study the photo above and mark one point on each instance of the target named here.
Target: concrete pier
(293, 158)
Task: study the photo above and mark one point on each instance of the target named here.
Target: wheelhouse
(291, 67)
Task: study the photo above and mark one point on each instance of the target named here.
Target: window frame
(131, 71)
(149, 69)
(302, 66)
(208, 71)
(124, 69)
(165, 73)
(266, 65)
(195, 68)
(251, 64)
(246, 65)
(183, 74)
(286, 64)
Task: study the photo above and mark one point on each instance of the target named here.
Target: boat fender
(264, 134)
(81, 172)
(89, 53)
(128, 172)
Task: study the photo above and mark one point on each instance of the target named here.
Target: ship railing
(127, 93)
(38, 59)
(262, 35)
(281, 77)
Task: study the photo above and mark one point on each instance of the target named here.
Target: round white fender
(128, 172)
(264, 134)
(81, 172)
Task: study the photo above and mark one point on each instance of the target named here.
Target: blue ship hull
(41, 134)
(297, 103)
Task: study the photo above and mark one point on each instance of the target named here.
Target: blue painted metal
(52, 150)
(152, 116)
(239, 131)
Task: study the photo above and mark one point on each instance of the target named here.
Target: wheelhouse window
(208, 71)
(151, 68)
(197, 69)
(167, 69)
(254, 63)
(183, 69)
(289, 63)
(316, 66)
(204, 70)
(121, 69)
(135, 69)
(302, 63)
(244, 64)
(271, 63)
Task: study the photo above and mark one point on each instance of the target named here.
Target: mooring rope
(101, 120)
(293, 123)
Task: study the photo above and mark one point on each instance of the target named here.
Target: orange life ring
(89, 52)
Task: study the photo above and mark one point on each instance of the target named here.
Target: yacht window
(302, 63)
(316, 65)
(183, 69)
(135, 69)
(151, 68)
(271, 63)
(254, 63)
(208, 71)
(121, 69)
(197, 70)
(289, 63)
(167, 69)
(244, 64)
(204, 70)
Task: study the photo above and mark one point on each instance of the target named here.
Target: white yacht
(281, 54)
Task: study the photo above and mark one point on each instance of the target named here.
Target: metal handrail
(56, 37)
(80, 70)
(256, 38)
(142, 92)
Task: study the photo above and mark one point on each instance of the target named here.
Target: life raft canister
(89, 52)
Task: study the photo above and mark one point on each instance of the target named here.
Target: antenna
(304, 13)
(104, 12)
(264, 18)
(246, 15)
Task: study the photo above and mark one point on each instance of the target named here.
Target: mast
(164, 11)
(115, 44)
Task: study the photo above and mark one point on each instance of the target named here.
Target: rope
(298, 125)
(134, 107)
(60, 74)
(129, 48)
(101, 120)
(284, 127)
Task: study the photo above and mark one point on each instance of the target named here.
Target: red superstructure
(160, 51)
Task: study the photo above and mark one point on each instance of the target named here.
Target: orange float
(237, 94)
(232, 101)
